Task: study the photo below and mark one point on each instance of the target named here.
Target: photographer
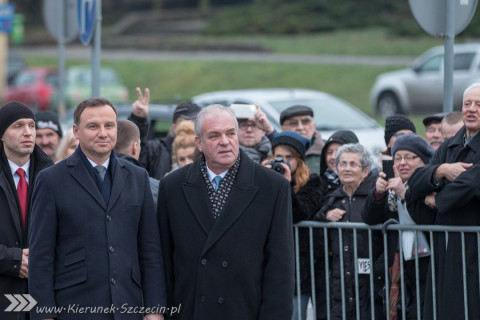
(289, 151)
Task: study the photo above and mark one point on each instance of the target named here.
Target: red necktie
(22, 190)
(394, 290)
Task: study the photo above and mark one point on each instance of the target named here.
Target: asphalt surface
(82, 52)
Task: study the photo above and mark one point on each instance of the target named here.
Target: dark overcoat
(85, 253)
(457, 204)
(353, 207)
(239, 266)
(13, 238)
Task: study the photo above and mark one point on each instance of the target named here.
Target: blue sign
(7, 11)
(86, 19)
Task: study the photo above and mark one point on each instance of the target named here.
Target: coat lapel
(240, 197)
(79, 172)
(118, 182)
(4, 184)
(197, 197)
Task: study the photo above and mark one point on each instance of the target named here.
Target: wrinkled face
(249, 135)
(219, 141)
(330, 155)
(449, 130)
(19, 139)
(48, 140)
(398, 134)
(350, 170)
(406, 162)
(433, 135)
(303, 125)
(97, 132)
(185, 156)
(471, 111)
(286, 153)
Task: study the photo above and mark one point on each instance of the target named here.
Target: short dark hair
(90, 102)
(127, 132)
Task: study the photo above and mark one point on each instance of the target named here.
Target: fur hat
(393, 124)
(12, 112)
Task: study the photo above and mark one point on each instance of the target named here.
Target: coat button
(345, 248)
(17, 243)
(204, 262)
(203, 299)
(112, 281)
(347, 273)
(350, 300)
(108, 217)
(111, 249)
(220, 300)
(225, 264)
(15, 267)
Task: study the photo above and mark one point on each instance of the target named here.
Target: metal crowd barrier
(339, 227)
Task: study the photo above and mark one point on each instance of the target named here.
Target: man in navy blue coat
(95, 251)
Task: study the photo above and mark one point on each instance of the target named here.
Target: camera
(277, 164)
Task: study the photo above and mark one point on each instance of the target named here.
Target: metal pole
(3, 61)
(96, 50)
(62, 16)
(448, 57)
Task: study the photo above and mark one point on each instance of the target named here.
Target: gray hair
(209, 110)
(365, 158)
(469, 88)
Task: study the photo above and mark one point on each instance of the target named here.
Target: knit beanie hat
(393, 124)
(415, 144)
(294, 140)
(48, 120)
(12, 112)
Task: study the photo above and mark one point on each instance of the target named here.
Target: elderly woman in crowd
(307, 194)
(387, 201)
(344, 205)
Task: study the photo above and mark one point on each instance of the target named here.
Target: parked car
(160, 118)
(79, 85)
(419, 88)
(330, 113)
(34, 87)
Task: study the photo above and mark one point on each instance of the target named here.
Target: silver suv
(419, 88)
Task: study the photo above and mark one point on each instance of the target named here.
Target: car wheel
(388, 105)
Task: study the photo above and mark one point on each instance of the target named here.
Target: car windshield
(330, 114)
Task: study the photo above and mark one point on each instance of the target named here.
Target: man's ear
(134, 150)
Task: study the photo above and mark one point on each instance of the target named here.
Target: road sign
(7, 12)
(430, 15)
(53, 19)
(86, 19)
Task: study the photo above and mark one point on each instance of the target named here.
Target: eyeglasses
(407, 158)
(296, 122)
(352, 164)
(245, 125)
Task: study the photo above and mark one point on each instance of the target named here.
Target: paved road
(81, 52)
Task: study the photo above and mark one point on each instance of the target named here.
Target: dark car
(160, 118)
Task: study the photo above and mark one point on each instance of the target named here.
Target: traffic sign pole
(61, 16)
(96, 51)
(448, 56)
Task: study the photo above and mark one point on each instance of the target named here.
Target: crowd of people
(199, 224)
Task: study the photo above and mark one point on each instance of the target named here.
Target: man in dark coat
(226, 228)
(17, 152)
(95, 248)
(454, 174)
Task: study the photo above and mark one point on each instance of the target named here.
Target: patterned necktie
(217, 180)
(22, 190)
(395, 289)
(101, 171)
